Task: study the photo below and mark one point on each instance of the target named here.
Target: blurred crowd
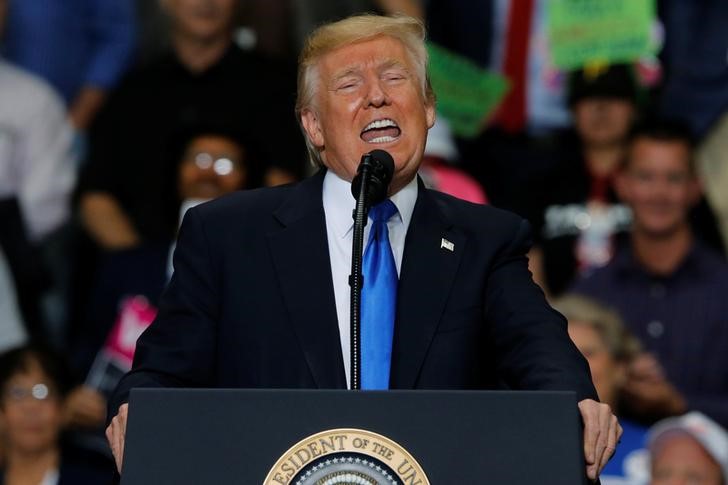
(116, 116)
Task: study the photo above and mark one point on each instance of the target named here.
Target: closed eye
(347, 88)
(394, 76)
(347, 83)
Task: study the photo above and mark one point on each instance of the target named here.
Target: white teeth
(385, 123)
(382, 139)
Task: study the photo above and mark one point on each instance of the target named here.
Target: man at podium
(260, 293)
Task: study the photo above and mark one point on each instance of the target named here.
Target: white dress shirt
(338, 206)
(36, 162)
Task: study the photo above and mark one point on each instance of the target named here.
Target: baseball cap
(709, 434)
(611, 81)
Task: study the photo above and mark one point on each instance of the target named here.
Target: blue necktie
(378, 300)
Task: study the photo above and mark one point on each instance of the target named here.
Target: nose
(207, 174)
(377, 95)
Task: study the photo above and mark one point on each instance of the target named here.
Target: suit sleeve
(533, 347)
(179, 347)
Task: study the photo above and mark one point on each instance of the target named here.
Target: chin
(660, 231)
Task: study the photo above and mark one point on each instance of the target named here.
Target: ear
(430, 113)
(695, 190)
(242, 176)
(312, 127)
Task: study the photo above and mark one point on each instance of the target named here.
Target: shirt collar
(339, 203)
(627, 265)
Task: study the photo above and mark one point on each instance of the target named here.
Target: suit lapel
(427, 275)
(301, 259)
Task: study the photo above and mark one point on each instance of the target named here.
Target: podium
(314, 437)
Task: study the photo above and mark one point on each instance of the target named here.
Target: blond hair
(578, 309)
(351, 30)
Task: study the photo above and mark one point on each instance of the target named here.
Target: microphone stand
(356, 279)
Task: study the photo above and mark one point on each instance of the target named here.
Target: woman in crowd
(609, 348)
(33, 386)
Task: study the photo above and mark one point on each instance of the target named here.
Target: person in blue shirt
(81, 47)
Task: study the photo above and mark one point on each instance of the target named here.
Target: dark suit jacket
(251, 303)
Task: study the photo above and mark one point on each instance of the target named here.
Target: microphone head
(380, 169)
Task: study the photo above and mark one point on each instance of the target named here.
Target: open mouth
(381, 131)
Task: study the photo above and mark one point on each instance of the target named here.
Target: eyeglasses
(221, 166)
(39, 392)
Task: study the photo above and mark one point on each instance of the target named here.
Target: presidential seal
(346, 457)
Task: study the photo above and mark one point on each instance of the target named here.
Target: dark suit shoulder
(244, 204)
(248, 216)
(237, 220)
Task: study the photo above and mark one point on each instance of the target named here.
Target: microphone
(376, 169)
(369, 187)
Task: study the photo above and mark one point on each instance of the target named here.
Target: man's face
(603, 121)
(680, 460)
(369, 97)
(212, 166)
(202, 20)
(658, 185)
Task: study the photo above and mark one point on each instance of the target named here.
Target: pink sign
(135, 315)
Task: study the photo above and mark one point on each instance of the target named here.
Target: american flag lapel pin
(444, 243)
